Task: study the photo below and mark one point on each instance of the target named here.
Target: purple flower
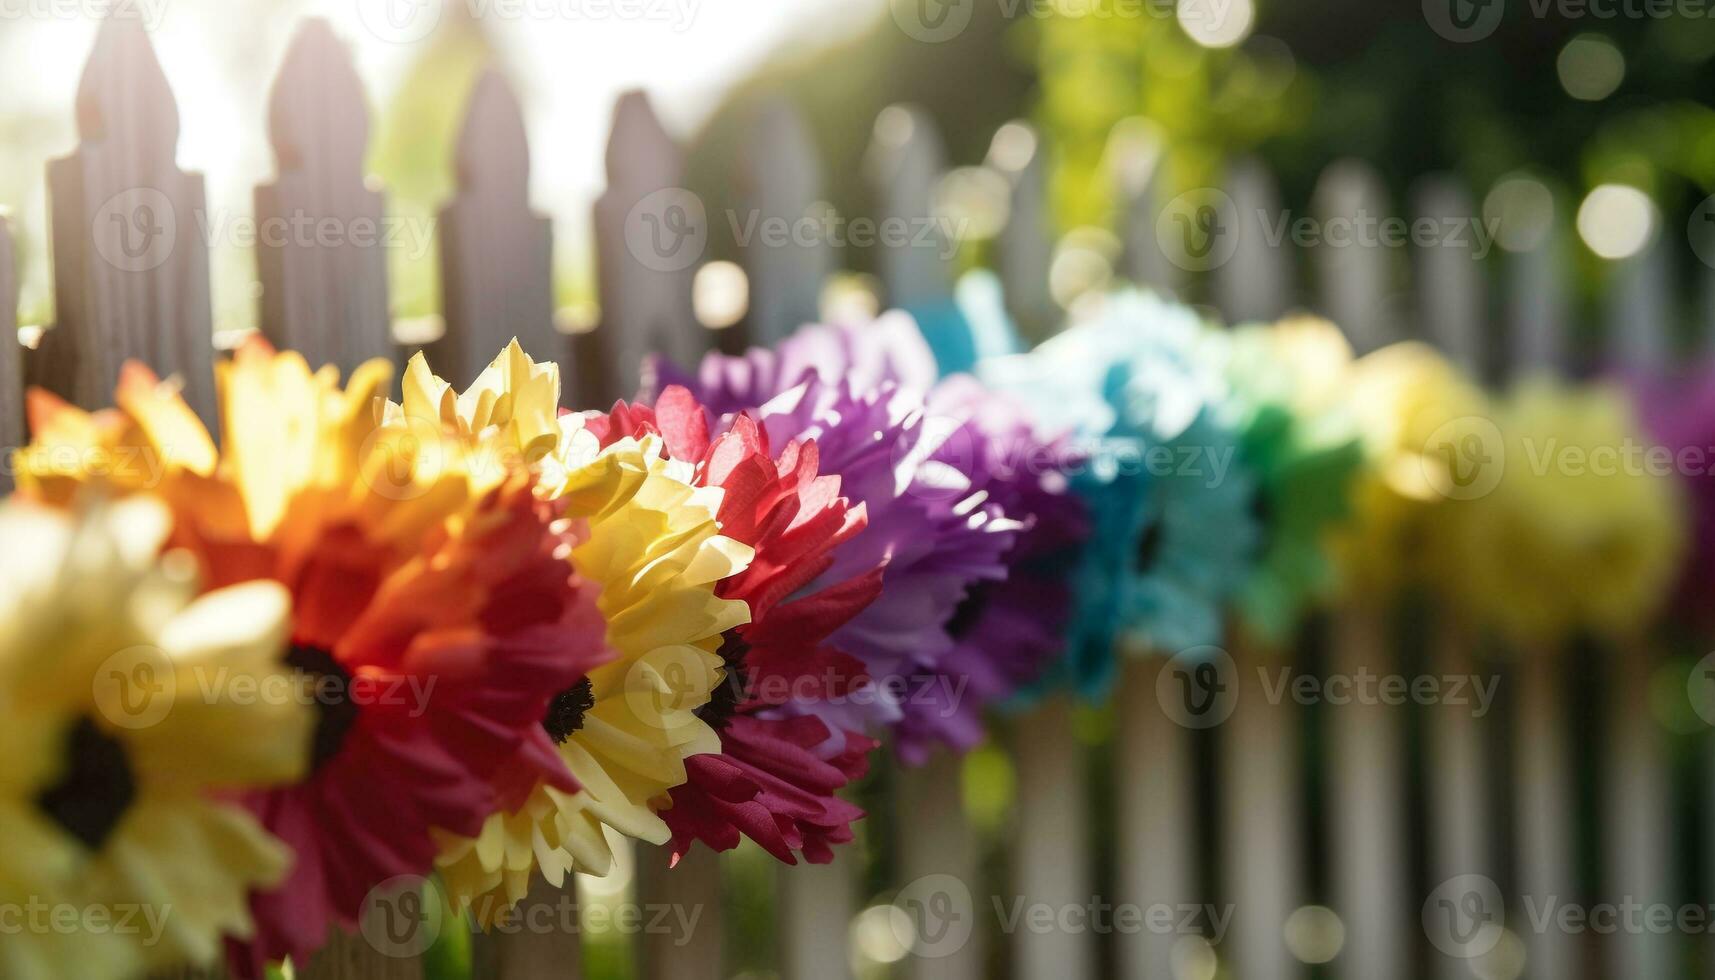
(1679, 412)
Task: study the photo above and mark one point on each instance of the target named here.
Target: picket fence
(1324, 830)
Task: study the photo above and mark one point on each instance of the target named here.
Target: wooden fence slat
(1539, 305)
(650, 235)
(782, 176)
(1256, 282)
(321, 240)
(556, 953)
(693, 889)
(1136, 161)
(1356, 271)
(1024, 249)
(130, 259)
(814, 908)
(1157, 831)
(1637, 823)
(11, 359)
(1051, 849)
(351, 957)
(931, 802)
(496, 251)
(1451, 298)
(906, 160)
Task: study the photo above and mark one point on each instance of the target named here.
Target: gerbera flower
(1578, 532)
(1296, 435)
(1171, 504)
(432, 609)
(930, 521)
(126, 717)
(652, 547)
(767, 782)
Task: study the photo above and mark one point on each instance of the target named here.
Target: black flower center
(1149, 545)
(330, 687)
(96, 787)
(566, 711)
(970, 610)
(724, 700)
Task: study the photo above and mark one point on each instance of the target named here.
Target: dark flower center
(1149, 545)
(566, 711)
(96, 787)
(970, 610)
(724, 700)
(331, 689)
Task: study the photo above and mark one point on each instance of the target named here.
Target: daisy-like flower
(930, 521)
(767, 782)
(1298, 438)
(1171, 503)
(651, 545)
(1425, 435)
(129, 717)
(433, 612)
(1569, 527)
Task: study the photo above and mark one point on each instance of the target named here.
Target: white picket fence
(1337, 855)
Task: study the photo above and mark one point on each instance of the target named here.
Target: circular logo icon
(400, 21)
(135, 688)
(1464, 459)
(1198, 688)
(1700, 688)
(403, 458)
(940, 459)
(665, 685)
(667, 231)
(1198, 231)
(933, 21)
(939, 915)
(1464, 916)
(401, 917)
(1701, 230)
(1463, 21)
(135, 230)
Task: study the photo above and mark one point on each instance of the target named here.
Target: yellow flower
(125, 706)
(1579, 528)
(1427, 438)
(653, 548)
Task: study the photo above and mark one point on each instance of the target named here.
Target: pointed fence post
(906, 160)
(650, 235)
(1256, 282)
(496, 252)
(1367, 780)
(12, 434)
(1452, 306)
(1638, 827)
(782, 178)
(1024, 250)
(130, 261)
(321, 233)
(1538, 303)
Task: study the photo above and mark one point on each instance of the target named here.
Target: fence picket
(1256, 282)
(906, 160)
(693, 889)
(1370, 887)
(650, 235)
(11, 359)
(1024, 249)
(323, 295)
(1538, 301)
(783, 182)
(530, 955)
(130, 262)
(1051, 846)
(496, 251)
(1637, 823)
(1157, 827)
(931, 802)
(1136, 161)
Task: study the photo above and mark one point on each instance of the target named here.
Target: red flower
(775, 780)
